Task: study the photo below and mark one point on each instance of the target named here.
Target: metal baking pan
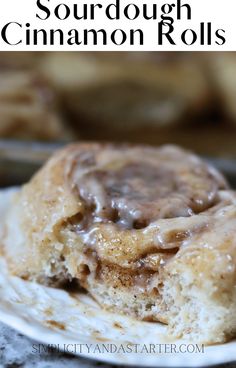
(20, 160)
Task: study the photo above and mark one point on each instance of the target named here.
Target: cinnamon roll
(20, 60)
(149, 232)
(28, 108)
(103, 93)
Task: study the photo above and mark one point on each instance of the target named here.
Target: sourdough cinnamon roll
(125, 93)
(28, 108)
(149, 232)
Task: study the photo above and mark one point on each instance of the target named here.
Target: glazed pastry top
(136, 186)
(134, 207)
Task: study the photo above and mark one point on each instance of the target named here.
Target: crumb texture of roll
(148, 232)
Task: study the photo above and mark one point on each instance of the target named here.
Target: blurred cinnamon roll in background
(122, 93)
(19, 60)
(28, 108)
(144, 97)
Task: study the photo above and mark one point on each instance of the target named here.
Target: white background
(221, 14)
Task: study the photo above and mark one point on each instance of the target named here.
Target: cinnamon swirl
(149, 232)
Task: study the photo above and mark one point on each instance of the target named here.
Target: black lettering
(202, 33)
(161, 33)
(167, 9)
(57, 11)
(52, 36)
(154, 12)
(44, 9)
(35, 36)
(85, 12)
(141, 36)
(27, 34)
(209, 33)
(184, 35)
(136, 11)
(116, 7)
(4, 33)
(93, 6)
(74, 39)
(179, 10)
(95, 36)
(114, 37)
(222, 38)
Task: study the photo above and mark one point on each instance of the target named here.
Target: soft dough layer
(148, 232)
